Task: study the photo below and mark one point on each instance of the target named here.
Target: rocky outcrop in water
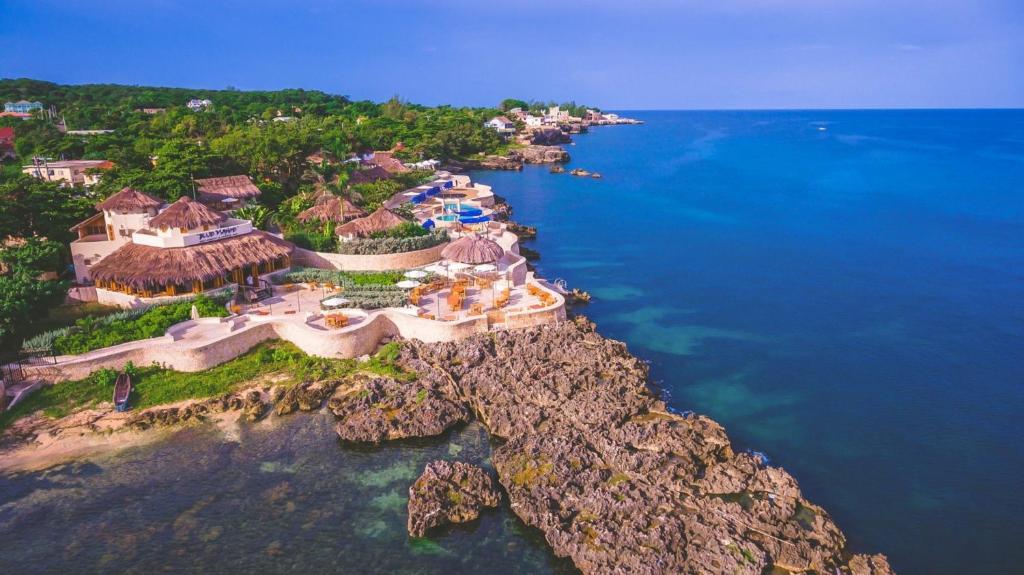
(616, 481)
(534, 154)
(449, 493)
(386, 409)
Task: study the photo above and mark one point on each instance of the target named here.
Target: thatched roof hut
(129, 200)
(142, 266)
(473, 249)
(368, 175)
(330, 208)
(381, 220)
(187, 215)
(389, 162)
(217, 189)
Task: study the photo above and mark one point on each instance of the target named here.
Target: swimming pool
(447, 218)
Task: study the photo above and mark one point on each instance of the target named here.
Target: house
(19, 115)
(22, 107)
(152, 111)
(137, 248)
(533, 121)
(502, 125)
(6, 144)
(197, 105)
(68, 172)
(368, 175)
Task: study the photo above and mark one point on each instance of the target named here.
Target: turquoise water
(279, 498)
(849, 301)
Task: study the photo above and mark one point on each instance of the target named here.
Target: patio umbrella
(484, 268)
(407, 284)
(436, 269)
(457, 266)
(334, 302)
(415, 274)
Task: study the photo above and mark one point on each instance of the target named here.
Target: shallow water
(847, 300)
(283, 498)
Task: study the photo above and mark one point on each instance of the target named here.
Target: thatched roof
(389, 162)
(331, 209)
(216, 189)
(381, 220)
(129, 200)
(368, 175)
(140, 266)
(186, 214)
(473, 249)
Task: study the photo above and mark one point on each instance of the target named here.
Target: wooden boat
(122, 389)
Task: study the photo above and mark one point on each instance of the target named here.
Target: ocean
(842, 290)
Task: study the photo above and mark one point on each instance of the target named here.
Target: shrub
(402, 230)
(392, 245)
(91, 333)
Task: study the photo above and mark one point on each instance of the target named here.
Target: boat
(122, 390)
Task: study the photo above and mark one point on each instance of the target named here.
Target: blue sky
(623, 54)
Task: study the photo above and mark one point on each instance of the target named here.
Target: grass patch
(154, 385)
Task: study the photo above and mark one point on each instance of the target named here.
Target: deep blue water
(849, 301)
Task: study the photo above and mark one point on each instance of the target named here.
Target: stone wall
(382, 262)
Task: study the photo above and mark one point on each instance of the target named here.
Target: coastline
(590, 457)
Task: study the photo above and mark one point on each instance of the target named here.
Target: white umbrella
(407, 284)
(484, 268)
(195, 312)
(436, 269)
(415, 274)
(334, 301)
(457, 266)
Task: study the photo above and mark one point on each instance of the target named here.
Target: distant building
(152, 111)
(388, 161)
(21, 115)
(22, 107)
(502, 125)
(227, 192)
(88, 132)
(533, 121)
(6, 144)
(197, 105)
(69, 173)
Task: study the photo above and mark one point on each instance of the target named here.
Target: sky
(615, 54)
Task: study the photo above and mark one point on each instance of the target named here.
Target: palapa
(217, 189)
(331, 208)
(129, 200)
(187, 215)
(473, 249)
(381, 220)
(368, 175)
(142, 266)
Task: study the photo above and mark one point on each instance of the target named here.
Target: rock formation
(387, 409)
(449, 493)
(535, 154)
(616, 481)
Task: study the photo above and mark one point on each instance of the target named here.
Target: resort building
(22, 107)
(331, 208)
(136, 249)
(226, 193)
(68, 172)
(502, 125)
(381, 220)
(388, 161)
(197, 105)
(368, 175)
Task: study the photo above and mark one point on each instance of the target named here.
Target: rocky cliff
(616, 481)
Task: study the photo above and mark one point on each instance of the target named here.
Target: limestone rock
(536, 154)
(616, 481)
(449, 493)
(388, 409)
